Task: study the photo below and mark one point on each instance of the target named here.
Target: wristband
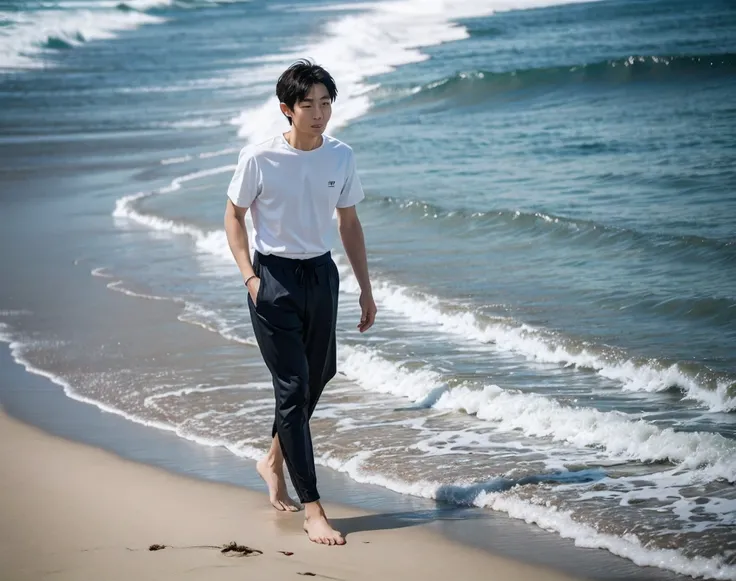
(247, 280)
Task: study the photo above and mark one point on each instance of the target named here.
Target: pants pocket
(261, 285)
(335, 277)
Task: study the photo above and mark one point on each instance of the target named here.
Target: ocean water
(551, 223)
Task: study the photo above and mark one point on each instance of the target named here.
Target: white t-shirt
(292, 194)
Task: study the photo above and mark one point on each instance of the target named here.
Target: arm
(351, 233)
(237, 239)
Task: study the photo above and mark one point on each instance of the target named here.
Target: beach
(550, 222)
(88, 493)
(73, 512)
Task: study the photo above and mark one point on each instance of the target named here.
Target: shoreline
(33, 404)
(76, 512)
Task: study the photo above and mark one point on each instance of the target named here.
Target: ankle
(274, 462)
(313, 510)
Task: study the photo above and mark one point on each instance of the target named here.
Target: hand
(368, 311)
(253, 285)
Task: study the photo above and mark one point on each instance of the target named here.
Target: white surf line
(535, 345)
(422, 308)
(534, 415)
(22, 44)
(426, 309)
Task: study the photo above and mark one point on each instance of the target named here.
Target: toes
(289, 505)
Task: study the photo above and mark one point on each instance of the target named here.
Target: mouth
(319, 126)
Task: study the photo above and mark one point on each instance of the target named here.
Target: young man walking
(294, 185)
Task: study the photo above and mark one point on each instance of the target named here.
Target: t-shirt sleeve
(247, 182)
(352, 190)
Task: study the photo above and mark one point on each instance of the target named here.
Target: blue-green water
(551, 221)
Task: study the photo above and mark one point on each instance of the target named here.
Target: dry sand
(74, 512)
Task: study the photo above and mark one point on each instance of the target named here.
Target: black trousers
(294, 320)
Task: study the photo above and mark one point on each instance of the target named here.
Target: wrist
(249, 280)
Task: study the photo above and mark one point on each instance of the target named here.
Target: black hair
(296, 81)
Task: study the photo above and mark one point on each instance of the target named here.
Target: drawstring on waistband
(306, 272)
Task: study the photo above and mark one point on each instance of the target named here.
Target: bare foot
(318, 530)
(274, 479)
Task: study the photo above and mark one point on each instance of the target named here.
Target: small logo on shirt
(331, 184)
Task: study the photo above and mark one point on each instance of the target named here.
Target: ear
(285, 110)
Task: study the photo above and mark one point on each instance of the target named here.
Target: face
(311, 115)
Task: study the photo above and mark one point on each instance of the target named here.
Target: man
(295, 184)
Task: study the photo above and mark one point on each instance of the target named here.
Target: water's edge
(37, 401)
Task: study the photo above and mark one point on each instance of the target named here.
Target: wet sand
(71, 511)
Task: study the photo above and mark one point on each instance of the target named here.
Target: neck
(304, 142)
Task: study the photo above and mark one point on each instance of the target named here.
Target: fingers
(367, 320)
(253, 285)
